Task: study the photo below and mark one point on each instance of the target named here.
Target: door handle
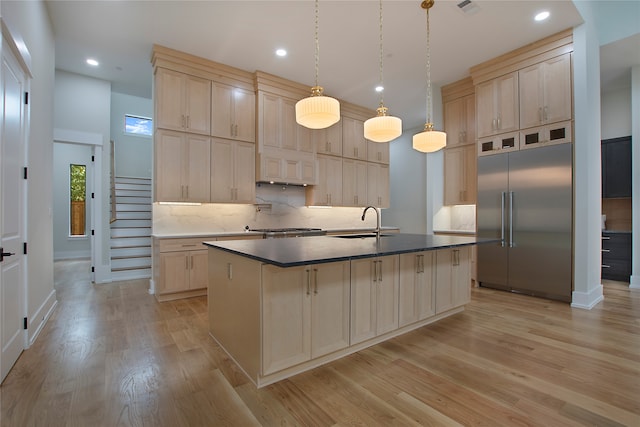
(4, 254)
(502, 219)
(511, 244)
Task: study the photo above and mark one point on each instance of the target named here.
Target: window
(141, 126)
(78, 192)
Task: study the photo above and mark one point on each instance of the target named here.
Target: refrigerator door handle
(511, 244)
(502, 220)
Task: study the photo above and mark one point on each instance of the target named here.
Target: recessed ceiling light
(379, 88)
(281, 52)
(92, 62)
(542, 16)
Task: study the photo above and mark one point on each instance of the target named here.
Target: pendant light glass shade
(382, 128)
(317, 111)
(429, 140)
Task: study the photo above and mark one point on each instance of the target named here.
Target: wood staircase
(131, 229)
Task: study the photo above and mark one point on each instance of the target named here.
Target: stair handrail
(112, 181)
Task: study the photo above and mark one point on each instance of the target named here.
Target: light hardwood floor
(112, 356)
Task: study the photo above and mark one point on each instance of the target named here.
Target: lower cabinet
(305, 313)
(417, 290)
(182, 268)
(453, 278)
(374, 297)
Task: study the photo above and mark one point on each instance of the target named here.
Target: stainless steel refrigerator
(525, 199)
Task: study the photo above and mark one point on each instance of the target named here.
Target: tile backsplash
(277, 206)
(455, 218)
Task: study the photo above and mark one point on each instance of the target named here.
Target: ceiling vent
(468, 7)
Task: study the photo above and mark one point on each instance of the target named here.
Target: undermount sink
(361, 236)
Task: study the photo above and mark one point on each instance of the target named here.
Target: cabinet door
(330, 307)
(363, 299)
(426, 286)
(354, 182)
(169, 160)
(378, 152)
(222, 173)
(453, 175)
(286, 317)
(174, 272)
(387, 294)
(408, 288)
(198, 269)
(557, 89)
(508, 117)
(531, 81)
(328, 191)
(221, 110)
(461, 276)
(289, 131)
(245, 172)
(454, 121)
(269, 120)
(444, 293)
(469, 133)
(354, 145)
(244, 115)
(470, 174)
(169, 90)
(329, 140)
(616, 168)
(197, 171)
(198, 105)
(485, 108)
(378, 185)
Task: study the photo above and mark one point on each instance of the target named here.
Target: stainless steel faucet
(377, 218)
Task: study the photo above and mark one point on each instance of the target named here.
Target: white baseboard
(61, 255)
(152, 287)
(102, 274)
(38, 319)
(634, 282)
(587, 300)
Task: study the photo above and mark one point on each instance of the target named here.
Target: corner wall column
(635, 178)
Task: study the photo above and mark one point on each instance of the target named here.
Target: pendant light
(382, 128)
(429, 140)
(317, 111)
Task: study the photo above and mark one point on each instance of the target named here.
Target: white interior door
(12, 310)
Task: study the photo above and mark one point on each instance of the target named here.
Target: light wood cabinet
(182, 268)
(182, 167)
(460, 175)
(329, 140)
(460, 121)
(453, 278)
(286, 150)
(232, 171)
(378, 185)
(328, 190)
(374, 297)
(497, 105)
(417, 287)
(378, 152)
(545, 92)
(354, 183)
(182, 102)
(354, 145)
(305, 313)
(233, 112)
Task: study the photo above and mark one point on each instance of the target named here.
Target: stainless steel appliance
(525, 198)
(288, 232)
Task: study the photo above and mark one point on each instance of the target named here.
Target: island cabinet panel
(305, 313)
(453, 278)
(417, 290)
(374, 297)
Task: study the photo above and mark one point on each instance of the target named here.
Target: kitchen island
(279, 307)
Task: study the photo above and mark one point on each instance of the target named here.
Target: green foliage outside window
(78, 183)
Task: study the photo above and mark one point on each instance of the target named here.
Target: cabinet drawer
(188, 244)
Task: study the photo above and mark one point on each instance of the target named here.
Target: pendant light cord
(428, 70)
(317, 44)
(381, 56)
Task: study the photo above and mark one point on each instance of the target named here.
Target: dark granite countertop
(321, 249)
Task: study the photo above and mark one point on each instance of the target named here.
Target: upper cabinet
(460, 176)
(182, 102)
(616, 167)
(460, 120)
(354, 145)
(497, 102)
(232, 171)
(233, 112)
(545, 92)
(329, 140)
(378, 152)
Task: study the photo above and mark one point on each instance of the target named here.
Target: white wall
(616, 113)
(31, 21)
(64, 246)
(84, 104)
(133, 154)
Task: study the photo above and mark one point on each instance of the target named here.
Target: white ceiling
(245, 34)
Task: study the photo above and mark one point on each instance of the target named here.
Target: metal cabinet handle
(230, 271)
(374, 265)
(606, 250)
(606, 266)
(380, 271)
(315, 281)
(308, 281)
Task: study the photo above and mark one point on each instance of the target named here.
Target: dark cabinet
(616, 256)
(616, 167)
